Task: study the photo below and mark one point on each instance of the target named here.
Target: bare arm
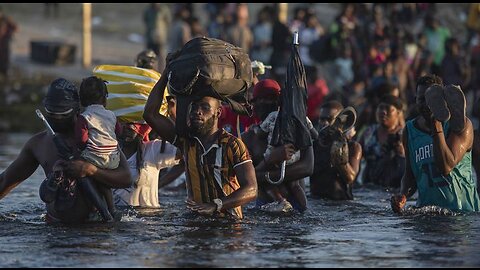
(116, 178)
(298, 170)
(248, 187)
(448, 153)
(277, 155)
(245, 194)
(172, 174)
(20, 169)
(162, 125)
(348, 172)
(408, 183)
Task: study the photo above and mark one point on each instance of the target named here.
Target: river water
(359, 233)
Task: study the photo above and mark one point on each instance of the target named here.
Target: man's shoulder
(230, 140)
(468, 126)
(37, 142)
(37, 138)
(157, 143)
(354, 143)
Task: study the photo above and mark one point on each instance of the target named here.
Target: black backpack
(209, 67)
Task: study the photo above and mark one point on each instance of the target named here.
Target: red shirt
(228, 121)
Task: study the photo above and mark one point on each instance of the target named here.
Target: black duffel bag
(209, 67)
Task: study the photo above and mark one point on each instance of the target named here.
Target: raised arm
(448, 153)
(19, 170)
(162, 125)
(348, 172)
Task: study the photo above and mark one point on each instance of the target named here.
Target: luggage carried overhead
(209, 67)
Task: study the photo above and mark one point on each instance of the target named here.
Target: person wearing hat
(62, 106)
(147, 59)
(335, 168)
(382, 145)
(266, 98)
(235, 123)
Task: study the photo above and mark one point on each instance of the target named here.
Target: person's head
(265, 14)
(388, 111)
(203, 115)
(93, 90)
(242, 13)
(431, 22)
(172, 107)
(155, 6)
(62, 104)
(328, 111)
(452, 46)
(133, 132)
(146, 59)
(265, 99)
(385, 88)
(299, 13)
(423, 84)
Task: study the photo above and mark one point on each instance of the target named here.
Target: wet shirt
(325, 182)
(383, 167)
(144, 191)
(210, 173)
(373, 153)
(456, 191)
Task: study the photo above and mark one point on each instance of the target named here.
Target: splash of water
(429, 210)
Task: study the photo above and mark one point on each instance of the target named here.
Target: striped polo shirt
(210, 172)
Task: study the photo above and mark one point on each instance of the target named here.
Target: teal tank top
(456, 191)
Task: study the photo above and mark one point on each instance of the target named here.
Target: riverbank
(117, 36)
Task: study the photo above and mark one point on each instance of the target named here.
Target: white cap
(260, 66)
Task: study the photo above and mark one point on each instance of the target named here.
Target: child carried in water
(95, 133)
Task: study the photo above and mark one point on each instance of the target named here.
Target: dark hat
(62, 97)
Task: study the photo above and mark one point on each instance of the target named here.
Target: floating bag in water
(209, 67)
(128, 90)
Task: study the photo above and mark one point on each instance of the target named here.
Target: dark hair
(392, 100)
(93, 90)
(144, 59)
(429, 80)
(449, 43)
(383, 88)
(332, 105)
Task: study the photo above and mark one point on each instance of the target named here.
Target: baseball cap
(266, 88)
(62, 97)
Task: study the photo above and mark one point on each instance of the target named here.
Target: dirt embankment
(117, 36)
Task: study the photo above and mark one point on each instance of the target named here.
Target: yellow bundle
(128, 90)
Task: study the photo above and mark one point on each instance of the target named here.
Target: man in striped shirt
(220, 176)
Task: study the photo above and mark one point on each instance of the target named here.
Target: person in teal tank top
(438, 146)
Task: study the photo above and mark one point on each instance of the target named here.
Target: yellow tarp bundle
(128, 90)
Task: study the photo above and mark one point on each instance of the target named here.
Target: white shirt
(268, 125)
(145, 194)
